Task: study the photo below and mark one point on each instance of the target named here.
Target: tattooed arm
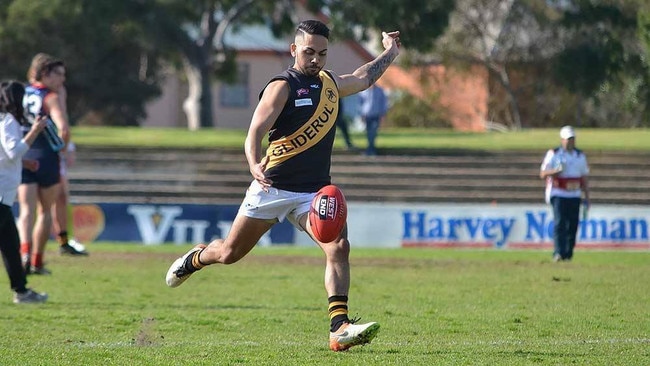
(367, 74)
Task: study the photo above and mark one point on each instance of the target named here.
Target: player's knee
(229, 256)
(45, 215)
(25, 216)
(339, 250)
(221, 253)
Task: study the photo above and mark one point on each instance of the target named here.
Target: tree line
(550, 62)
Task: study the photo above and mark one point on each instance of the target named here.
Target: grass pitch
(591, 140)
(436, 307)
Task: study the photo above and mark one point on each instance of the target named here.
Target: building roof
(254, 38)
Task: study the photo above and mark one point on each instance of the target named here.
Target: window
(236, 93)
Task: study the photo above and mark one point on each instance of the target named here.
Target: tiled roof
(254, 38)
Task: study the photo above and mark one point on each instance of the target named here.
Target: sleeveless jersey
(301, 139)
(34, 103)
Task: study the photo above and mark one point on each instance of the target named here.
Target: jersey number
(33, 104)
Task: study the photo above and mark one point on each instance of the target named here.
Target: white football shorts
(276, 204)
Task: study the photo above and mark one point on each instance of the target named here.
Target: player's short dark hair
(11, 99)
(314, 27)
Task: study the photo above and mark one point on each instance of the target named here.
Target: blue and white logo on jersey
(303, 102)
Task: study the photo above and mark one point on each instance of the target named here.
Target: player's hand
(39, 124)
(31, 165)
(257, 171)
(390, 38)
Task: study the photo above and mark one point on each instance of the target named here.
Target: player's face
(569, 144)
(310, 52)
(55, 79)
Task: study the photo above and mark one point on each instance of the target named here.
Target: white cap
(567, 132)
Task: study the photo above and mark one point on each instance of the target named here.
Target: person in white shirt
(565, 170)
(13, 148)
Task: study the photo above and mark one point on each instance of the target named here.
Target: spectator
(374, 106)
(14, 146)
(565, 170)
(342, 122)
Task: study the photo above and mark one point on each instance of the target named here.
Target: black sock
(63, 238)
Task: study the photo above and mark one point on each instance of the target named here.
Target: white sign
(498, 226)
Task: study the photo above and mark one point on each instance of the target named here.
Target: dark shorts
(49, 171)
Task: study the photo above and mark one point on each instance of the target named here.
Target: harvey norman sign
(374, 225)
(502, 226)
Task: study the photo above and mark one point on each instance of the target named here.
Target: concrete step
(200, 175)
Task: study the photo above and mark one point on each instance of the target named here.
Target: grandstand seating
(220, 176)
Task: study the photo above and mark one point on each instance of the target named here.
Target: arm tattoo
(376, 68)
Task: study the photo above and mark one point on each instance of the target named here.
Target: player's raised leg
(241, 239)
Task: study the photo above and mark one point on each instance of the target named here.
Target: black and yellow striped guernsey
(301, 140)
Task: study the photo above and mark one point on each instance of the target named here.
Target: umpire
(565, 170)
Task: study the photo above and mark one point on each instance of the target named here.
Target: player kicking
(297, 110)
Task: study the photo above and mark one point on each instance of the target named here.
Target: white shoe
(177, 274)
(349, 335)
(77, 245)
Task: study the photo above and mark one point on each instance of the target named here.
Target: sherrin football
(328, 214)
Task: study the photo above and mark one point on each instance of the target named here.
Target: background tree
(555, 62)
(644, 37)
(115, 50)
(603, 62)
(193, 33)
(112, 65)
(420, 21)
(552, 62)
(507, 38)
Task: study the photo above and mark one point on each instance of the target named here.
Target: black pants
(566, 213)
(10, 248)
(342, 124)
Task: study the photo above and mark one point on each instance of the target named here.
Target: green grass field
(436, 307)
(400, 138)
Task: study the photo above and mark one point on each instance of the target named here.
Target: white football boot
(77, 245)
(350, 334)
(177, 274)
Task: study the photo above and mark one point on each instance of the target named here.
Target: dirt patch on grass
(285, 260)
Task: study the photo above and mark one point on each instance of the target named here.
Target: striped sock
(338, 311)
(193, 263)
(196, 261)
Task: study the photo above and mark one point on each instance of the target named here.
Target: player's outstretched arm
(367, 74)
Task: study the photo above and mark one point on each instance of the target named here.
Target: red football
(328, 214)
